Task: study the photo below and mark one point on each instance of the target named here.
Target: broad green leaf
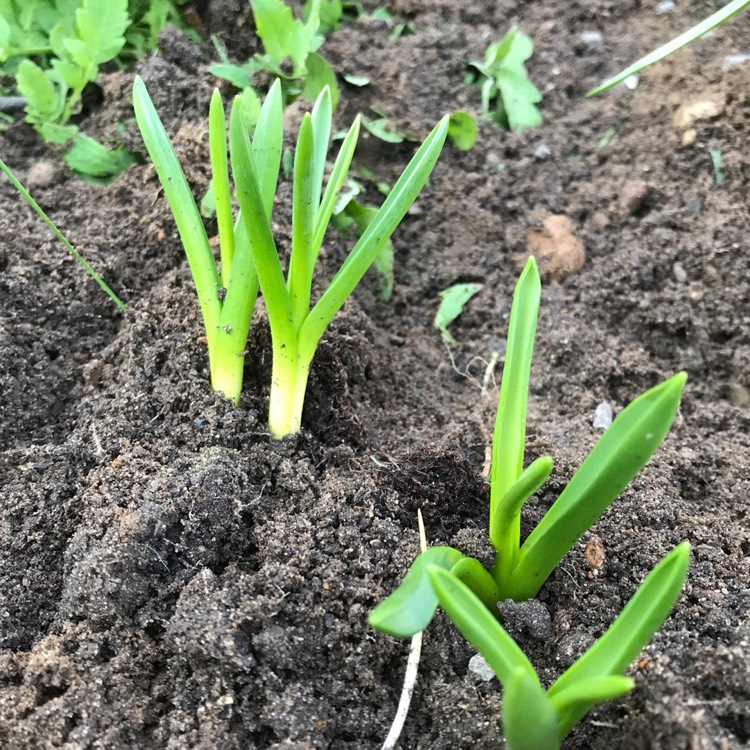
(281, 34)
(462, 130)
(393, 210)
(185, 212)
(509, 437)
(319, 75)
(101, 28)
(508, 96)
(71, 74)
(642, 616)
(44, 101)
(92, 159)
(384, 129)
(529, 718)
(718, 18)
(411, 606)
(453, 301)
(620, 454)
(239, 76)
(478, 625)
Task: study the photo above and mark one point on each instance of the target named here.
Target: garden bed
(172, 577)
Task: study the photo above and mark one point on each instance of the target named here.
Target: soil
(171, 577)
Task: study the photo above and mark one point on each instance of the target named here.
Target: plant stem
(288, 384)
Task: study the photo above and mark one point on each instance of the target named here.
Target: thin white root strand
(412, 668)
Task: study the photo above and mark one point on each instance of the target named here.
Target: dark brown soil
(170, 577)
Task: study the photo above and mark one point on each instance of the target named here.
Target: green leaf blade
(642, 616)
(404, 193)
(509, 438)
(412, 605)
(478, 625)
(722, 15)
(529, 718)
(619, 455)
(184, 209)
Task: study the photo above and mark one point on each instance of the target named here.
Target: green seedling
(697, 31)
(509, 98)
(248, 246)
(463, 130)
(55, 48)
(535, 719)
(520, 570)
(60, 236)
(452, 304)
(290, 51)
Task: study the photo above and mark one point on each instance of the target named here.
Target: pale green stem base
(288, 386)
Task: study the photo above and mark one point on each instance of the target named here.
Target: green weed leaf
(453, 301)
(508, 96)
(101, 28)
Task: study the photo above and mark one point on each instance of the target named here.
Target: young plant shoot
(226, 297)
(247, 244)
(535, 719)
(520, 570)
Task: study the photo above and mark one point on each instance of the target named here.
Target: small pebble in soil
(730, 61)
(679, 272)
(666, 6)
(479, 668)
(592, 38)
(632, 196)
(43, 174)
(602, 416)
(529, 620)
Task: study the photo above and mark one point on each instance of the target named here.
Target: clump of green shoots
(520, 570)
(469, 593)
(535, 719)
(249, 255)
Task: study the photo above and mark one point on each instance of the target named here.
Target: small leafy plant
(508, 96)
(520, 570)
(535, 719)
(708, 24)
(249, 255)
(55, 48)
(290, 53)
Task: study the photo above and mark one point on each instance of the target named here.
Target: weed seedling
(248, 250)
(520, 570)
(508, 96)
